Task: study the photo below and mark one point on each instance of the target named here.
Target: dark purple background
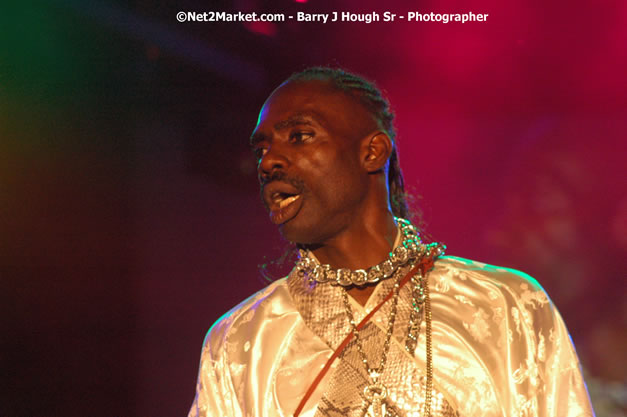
(130, 219)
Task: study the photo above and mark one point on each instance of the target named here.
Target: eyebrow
(300, 119)
(296, 120)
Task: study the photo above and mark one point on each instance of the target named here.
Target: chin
(298, 237)
(301, 234)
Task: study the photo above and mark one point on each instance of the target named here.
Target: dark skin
(322, 160)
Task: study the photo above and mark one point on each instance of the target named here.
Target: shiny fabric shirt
(500, 348)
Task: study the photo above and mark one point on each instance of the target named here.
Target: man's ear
(376, 151)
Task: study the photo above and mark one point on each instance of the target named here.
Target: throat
(361, 295)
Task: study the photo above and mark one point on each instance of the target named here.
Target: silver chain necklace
(375, 392)
(411, 247)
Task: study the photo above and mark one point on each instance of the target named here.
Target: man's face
(308, 141)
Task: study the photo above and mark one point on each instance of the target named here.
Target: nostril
(268, 166)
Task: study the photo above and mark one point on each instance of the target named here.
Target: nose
(273, 160)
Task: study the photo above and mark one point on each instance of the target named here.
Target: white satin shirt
(500, 348)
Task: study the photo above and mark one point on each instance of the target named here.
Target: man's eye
(297, 137)
(260, 152)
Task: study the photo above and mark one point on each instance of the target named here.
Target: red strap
(425, 264)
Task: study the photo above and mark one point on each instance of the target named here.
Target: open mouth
(284, 207)
(282, 200)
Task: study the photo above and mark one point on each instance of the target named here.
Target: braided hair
(373, 100)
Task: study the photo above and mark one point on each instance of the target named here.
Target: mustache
(282, 177)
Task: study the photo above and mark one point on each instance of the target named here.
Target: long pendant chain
(421, 299)
(376, 392)
(429, 353)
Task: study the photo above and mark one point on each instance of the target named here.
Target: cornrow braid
(379, 107)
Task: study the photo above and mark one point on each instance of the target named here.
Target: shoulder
(492, 284)
(479, 272)
(247, 312)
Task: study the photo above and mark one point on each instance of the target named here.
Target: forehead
(331, 107)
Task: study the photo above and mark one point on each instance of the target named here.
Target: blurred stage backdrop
(129, 211)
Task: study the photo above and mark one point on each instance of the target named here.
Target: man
(371, 321)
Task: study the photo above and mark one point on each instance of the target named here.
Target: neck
(363, 243)
(360, 245)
